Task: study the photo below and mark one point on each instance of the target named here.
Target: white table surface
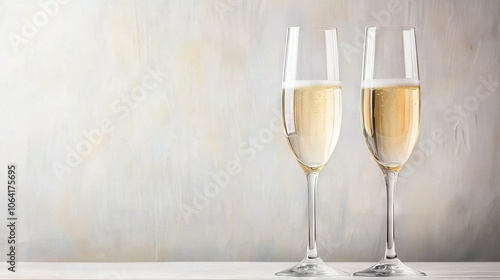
(225, 270)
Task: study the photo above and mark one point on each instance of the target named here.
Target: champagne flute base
(389, 267)
(311, 268)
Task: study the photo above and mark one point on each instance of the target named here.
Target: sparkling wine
(312, 116)
(391, 119)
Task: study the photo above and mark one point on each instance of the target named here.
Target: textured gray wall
(187, 159)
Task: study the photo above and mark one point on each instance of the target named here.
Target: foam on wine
(310, 83)
(376, 83)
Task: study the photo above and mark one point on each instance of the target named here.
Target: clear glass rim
(390, 28)
(312, 28)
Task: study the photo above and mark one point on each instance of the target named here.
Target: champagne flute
(311, 108)
(390, 106)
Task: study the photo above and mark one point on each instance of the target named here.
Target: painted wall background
(150, 131)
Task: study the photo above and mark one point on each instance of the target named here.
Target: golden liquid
(312, 115)
(391, 122)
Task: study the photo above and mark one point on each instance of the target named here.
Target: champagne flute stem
(390, 181)
(312, 184)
